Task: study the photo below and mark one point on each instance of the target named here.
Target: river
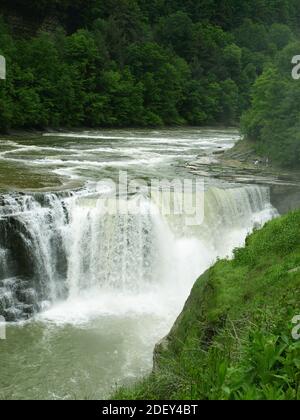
(88, 294)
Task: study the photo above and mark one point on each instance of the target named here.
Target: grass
(233, 340)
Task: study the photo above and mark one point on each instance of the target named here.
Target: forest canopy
(118, 63)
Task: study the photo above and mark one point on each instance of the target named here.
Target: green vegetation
(136, 63)
(234, 337)
(121, 63)
(273, 121)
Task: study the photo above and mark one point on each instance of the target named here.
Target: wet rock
(26, 310)
(16, 239)
(6, 298)
(27, 296)
(285, 198)
(12, 314)
(17, 301)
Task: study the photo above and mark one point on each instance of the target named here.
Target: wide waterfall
(58, 248)
(86, 292)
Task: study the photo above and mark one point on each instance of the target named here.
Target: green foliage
(233, 340)
(141, 63)
(272, 121)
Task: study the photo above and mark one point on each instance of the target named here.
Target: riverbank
(63, 255)
(233, 339)
(241, 164)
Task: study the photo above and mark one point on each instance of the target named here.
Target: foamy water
(110, 286)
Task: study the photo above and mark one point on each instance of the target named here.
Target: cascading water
(98, 290)
(30, 239)
(56, 248)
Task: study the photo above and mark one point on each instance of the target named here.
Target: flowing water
(88, 293)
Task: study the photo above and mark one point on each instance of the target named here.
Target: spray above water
(101, 288)
(65, 253)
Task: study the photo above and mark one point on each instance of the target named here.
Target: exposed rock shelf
(242, 165)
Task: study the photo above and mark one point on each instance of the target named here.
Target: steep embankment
(233, 339)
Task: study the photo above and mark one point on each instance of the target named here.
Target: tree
(176, 33)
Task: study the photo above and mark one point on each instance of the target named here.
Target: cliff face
(285, 198)
(234, 338)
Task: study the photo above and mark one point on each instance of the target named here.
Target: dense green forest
(273, 120)
(116, 63)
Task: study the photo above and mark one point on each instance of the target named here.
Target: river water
(88, 294)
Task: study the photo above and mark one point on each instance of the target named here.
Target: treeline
(138, 63)
(273, 120)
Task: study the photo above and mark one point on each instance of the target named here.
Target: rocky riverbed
(242, 165)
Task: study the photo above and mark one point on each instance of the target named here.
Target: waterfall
(56, 247)
(111, 251)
